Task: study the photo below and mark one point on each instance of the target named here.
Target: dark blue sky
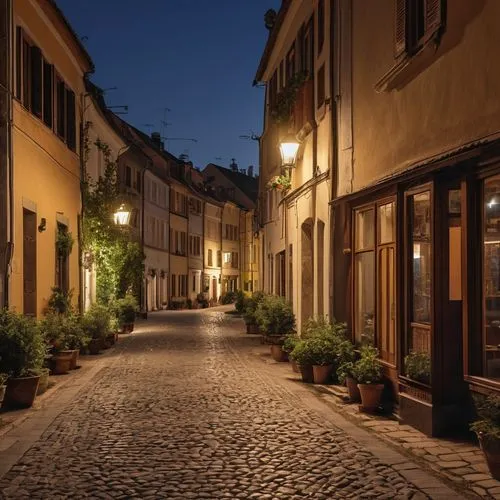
(196, 57)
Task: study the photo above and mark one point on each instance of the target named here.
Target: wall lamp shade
(122, 216)
(289, 147)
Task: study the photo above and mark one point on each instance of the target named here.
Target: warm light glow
(122, 216)
(289, 148)
(492, 202)
(416, 250)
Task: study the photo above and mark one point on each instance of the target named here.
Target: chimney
(250, 171)
(233, 165)
(156, 138)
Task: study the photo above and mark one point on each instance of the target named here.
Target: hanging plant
(280, 182)
(64, 242)
(282, 108)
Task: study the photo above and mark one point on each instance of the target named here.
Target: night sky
(196, 57)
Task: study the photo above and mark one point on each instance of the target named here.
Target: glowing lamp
(122, 216)
(289, 147)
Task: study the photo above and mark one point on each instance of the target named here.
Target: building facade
(231, 280)
(249, 251)
(296, 68)
(50, 64)
(212, 278)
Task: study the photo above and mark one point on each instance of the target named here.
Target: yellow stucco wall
(46, 173)
(449, 100)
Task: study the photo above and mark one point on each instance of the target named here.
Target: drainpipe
(9, 249)
(143, 292)
(334, 60)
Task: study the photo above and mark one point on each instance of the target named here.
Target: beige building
(416, 243)
(49, 68)
(212, 279)
(296, 68)
(230, 248)
(249, 251)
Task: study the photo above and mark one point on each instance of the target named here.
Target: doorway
(29, 263)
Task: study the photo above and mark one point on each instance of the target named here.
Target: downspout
(334, 59)
(144, 295)
(10, 167)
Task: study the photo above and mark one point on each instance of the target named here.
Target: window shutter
(19, 59)
(433, 16)
(400, 28)
(71, 120)
(48, 93)
(36, 81)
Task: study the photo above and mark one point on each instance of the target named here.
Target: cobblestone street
(184, 409)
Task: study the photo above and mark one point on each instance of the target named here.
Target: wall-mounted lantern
(289, 147)
(122, 216)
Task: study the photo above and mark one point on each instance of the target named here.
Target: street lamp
(289, 147)
(122, 216)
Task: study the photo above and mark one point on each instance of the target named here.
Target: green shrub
(418, 366)
(274, 315)
(229, 298)
(97, 321)
(367, 369)
(22, 346)
(302, 353)
(240, 303)
(60, 301)
(290, 342)
(488, 412)
(125, 310)
(251, 307)
(63, 331)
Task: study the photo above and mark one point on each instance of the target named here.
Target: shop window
(418, 332)
(491, 278)
(364, 272)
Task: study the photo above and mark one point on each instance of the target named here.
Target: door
(29, 263)
(214, 288)
(387, 304)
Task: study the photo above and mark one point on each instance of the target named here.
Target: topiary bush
(125, 310)
(97, 322)
(240, 302)
(251, 307)
(22, 346)
(228, 298)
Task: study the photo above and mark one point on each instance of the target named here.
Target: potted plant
(240, 303)
(301, 354)
(418, 367)
(77, 339)
(275, 317)
(125, 311)
(367, 371)
(249, 313)
(345, 374)
(60, 301)
(487, 428)
(96, 323)
(53, 329)
(22, 351)
(280, 183)
(64, 242)
(43, 383)
(288, 346)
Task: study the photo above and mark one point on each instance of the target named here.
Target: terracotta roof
(73, 34)
(271, 41)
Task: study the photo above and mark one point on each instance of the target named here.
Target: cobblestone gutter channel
(184, 409)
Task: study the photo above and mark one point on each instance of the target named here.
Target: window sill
(481, 384)
(407, 68)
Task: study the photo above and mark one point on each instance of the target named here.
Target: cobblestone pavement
(184, 410)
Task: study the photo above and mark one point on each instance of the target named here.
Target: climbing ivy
(119, 262)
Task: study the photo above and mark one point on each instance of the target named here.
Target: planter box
(20, 392)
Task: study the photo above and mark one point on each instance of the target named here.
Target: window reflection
(491, 290)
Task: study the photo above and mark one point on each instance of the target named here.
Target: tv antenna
(123, 108)
(251, 137)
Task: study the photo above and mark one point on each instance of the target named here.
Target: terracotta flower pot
(74, 359)
(307, 373)
(43, 384)
(20, 392)
(62, 362)
(278, 354)
(295, 366)
(353, 390)
(370, 396)
(491, 450)
(127, 327)
(321, 374)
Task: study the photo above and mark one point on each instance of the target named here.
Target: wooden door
(29, 263)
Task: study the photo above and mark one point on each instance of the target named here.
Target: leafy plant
(3, 378)
(367, 369)
(22, 347)
(290, 342)
(251, 307)
(240, 302)
(60, 301)
(63, 331)
(418, 366)
(274, 315)
(97, 322)
(119, 262)
(229, 298)
(125, 310)
(302, 353)
(488, 412)
(282, 108)
(345, 370)
(64, 242)
(280, 182)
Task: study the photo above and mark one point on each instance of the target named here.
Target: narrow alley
(185, 408)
